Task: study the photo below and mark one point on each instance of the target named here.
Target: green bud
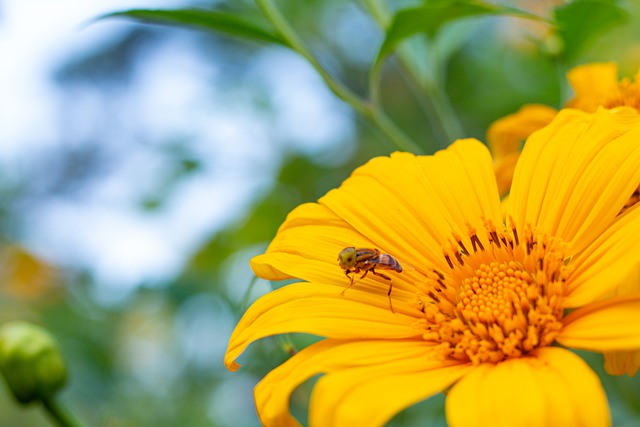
(30, 361)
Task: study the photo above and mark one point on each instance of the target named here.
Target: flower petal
(504, 172)
(362, 397)
(608, 264)
(307, 246)
(273, 392)
(506, 135)
(311, 233)
(575, 175)
(592, 83)
(610, 325)
(318, 310)
(554, 387)
(410, 205)
(623, 362)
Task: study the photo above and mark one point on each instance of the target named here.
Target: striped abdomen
(387, 262)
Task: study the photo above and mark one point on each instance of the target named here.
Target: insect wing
(404, 264)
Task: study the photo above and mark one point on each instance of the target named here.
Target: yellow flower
(594, 85)
(597, 85)
(481, 306)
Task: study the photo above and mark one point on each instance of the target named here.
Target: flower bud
(30, 361)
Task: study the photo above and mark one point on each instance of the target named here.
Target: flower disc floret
(502, 300)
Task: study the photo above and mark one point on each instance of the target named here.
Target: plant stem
(384, 123)
(372, 112)
(561, 73)
(442, 104)
(61, 415)
(379, 12)
(431, 96)
(290, 36)
(247, 294)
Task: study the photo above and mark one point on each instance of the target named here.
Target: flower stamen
(501, 301)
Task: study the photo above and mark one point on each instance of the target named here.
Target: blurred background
(142, 166)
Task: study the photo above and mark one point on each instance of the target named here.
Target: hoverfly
(354, 261)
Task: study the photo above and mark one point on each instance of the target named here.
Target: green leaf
(580, 22)
(431, 17)
(210, 20)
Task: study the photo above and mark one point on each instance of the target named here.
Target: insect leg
(381, 275)
(350, 281)
(390, 287)
(389, 296)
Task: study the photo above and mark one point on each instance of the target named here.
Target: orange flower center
(628, 94)
(501, 300)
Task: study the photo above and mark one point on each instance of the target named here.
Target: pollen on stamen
(501, 301)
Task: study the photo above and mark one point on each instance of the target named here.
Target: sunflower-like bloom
(594, 85)
(480, 308)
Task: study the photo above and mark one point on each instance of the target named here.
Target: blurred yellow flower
(483, 309)
(24, 275)
(597, 85)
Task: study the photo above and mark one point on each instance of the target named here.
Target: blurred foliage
(154, 357)
(233, 24)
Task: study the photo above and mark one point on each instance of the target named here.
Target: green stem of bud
(61, 415)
